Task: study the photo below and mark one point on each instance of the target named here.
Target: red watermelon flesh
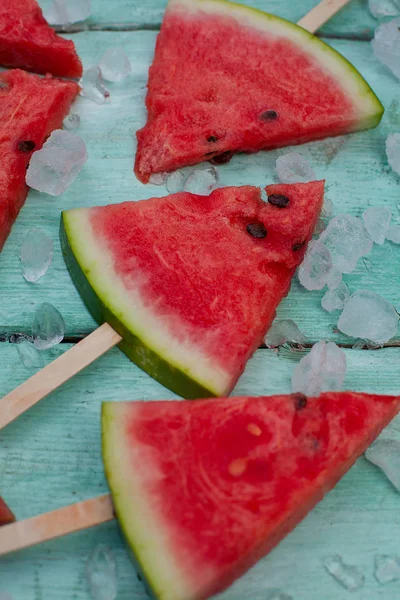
(227, 78)
(31, 107)
(204, 489)
(191, 291)
(6, 515)
(27, 41)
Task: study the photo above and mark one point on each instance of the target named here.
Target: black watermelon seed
(221, 159)
(212, 139)
(279, 200)
(26, 146)
(257, 230)
(298, 246)
(269, 115)
(300, 401)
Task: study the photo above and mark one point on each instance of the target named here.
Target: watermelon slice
(191, 282)
(204, 489)
(6, 515)
(27, 41)
(30, 108)
(227, 78)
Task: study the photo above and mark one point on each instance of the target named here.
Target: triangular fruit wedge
(204, 489)
(227, 78)
(191, 282)
(27, 41)
(30, 108)
(6, 515)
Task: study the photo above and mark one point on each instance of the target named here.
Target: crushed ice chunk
(202, 181)
(48, 327)
(376, 222)
(284, 331)
(293, 168)
(317, 269)
(384, 8)
(336, 299)
(176, 182)
(53, 168)
(385, 454)
(387, 568)
(92, 86)
(393, 150)
(101, 574)
(386, 45)
(368, 316)
(30, 357)
(114, 64)
(72, 121)
(275, 594)
(322, 370)
(393, 234)
(158, 178)
(349, 576)
(326, 214)
(65, 12)
(347, 241)
(36, 254)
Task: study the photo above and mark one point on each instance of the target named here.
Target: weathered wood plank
(356, 177)
(353, 21)
(51, 457)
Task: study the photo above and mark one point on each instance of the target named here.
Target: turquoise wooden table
(51, 456)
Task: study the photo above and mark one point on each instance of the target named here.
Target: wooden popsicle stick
(58, 523)
(321, 13)
(57, 373)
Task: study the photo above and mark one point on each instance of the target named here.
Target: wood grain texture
(50, 457)
(356, 177)
(353, 22)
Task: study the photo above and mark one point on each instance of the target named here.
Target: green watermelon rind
(134, 347)
(347, 76)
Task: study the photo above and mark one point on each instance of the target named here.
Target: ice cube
(385, 454)
(114, 64)
(158, 178)
(53, 168)
(368, 316)
(176, 182)
(393, 150)
(322, 370)
(336, 299)
(350, 577)
(30, 357)
(202, 181)
(92, 86)
(101, 574)
(36, 254)
(317, 270)
(326, 214)
(384, 8)
(48, 327)
(72, 121)
(65, 12)
(386, 45)
(393, 234)
(293, 168)
(284, 331)
(275, 594)
(347, 241)
(387, 568)
(376, 222)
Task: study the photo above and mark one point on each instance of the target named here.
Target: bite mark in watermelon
(191, 282)
(227, 78)
(6, 516)
(27, 41)
(31, 107)
(204, 489)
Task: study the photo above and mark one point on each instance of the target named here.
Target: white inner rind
(131, 473)
(365, 103)
(166, 335)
